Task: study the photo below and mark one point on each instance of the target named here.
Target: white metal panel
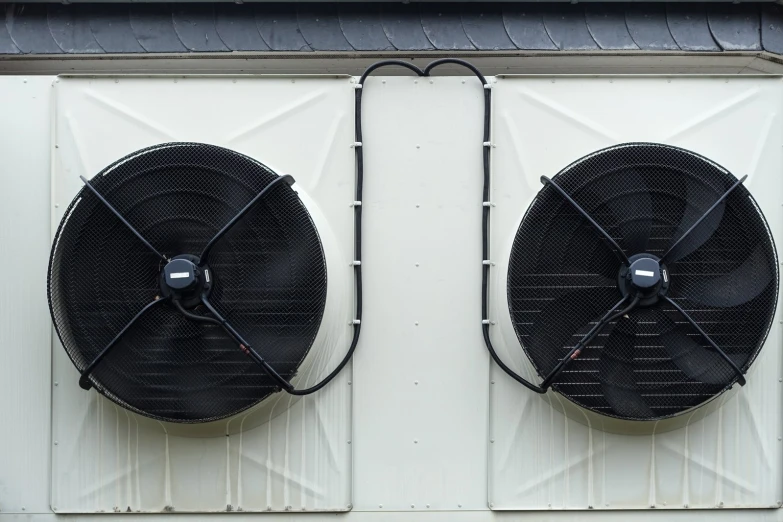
(421, 369)
(539, 458)
(25, 360)
(287, 454)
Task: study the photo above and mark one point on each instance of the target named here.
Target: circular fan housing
(266, 276)
(564, 276)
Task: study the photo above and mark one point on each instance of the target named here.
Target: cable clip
(356, 204)
(487, 262)
(488, 204)
(487, 321)
(356, 144)
(487, 143)
(357, 86)
(355, 322)
(487, 86)
(355, 263)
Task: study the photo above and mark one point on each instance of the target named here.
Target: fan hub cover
(646, 277)
(183, 278)
(645, 273)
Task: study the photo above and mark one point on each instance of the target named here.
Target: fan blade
(739, 286)
(631, 206)
(698, 362)
(171, 367)
(699, 200)
(564, 318)
(616, 375)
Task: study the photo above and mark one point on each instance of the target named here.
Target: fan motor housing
(646, 278)
(185, 279)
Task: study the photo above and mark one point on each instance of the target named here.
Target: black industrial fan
(642, 281)
(187, 282)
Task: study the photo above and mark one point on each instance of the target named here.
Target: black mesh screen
(269, 281)
(563, 277)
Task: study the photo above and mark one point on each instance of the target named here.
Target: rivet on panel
(350, 382)
(56, 383)
(686, 506)
(463, 81)
(383, 81)
(432, 81)
(293, 81)
(418, 146)
(428, 506)
(492, 382)
(350, 506)
(349, 442)
(234, 80)
(459, 505)
(416, 383)
(652, 506)
(416, 323)
(780, 438)
(417, 264)
(413, 506)
(56, 443)
(417, 206)
(720, 504)
(175, 80)
(380, 506)
(415, 441)
(589, 507)
(491, 441)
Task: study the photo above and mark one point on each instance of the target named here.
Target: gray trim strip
(367, 27)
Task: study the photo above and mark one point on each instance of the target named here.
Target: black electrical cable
(486, 204)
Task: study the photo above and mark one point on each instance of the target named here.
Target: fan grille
(269, 281)
(562, 279)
